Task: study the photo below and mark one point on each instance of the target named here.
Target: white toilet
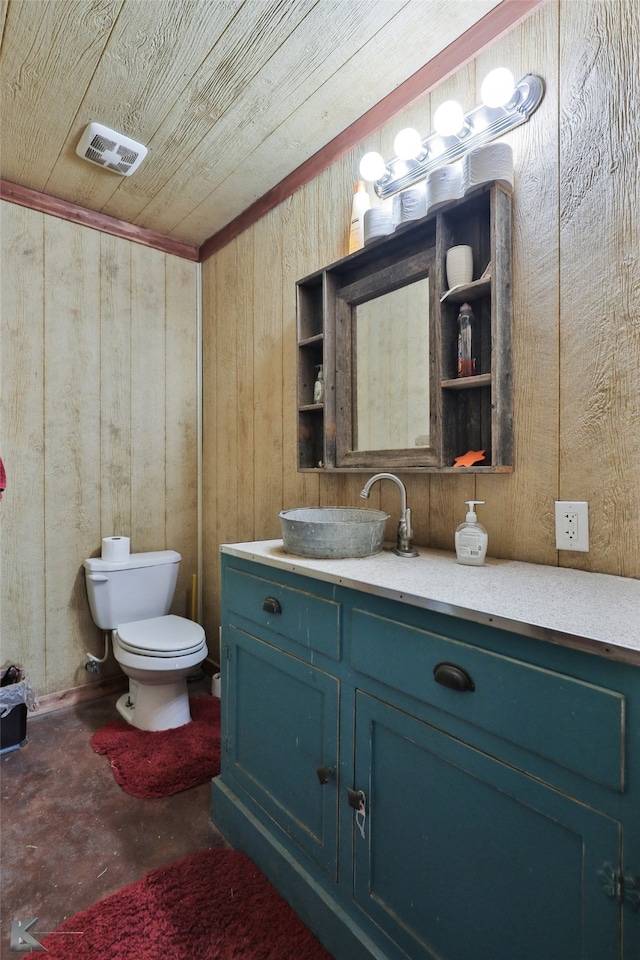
(156, 650)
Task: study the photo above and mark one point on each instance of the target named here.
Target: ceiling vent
(110, 150)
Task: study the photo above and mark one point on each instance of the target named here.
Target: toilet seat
(168, 636)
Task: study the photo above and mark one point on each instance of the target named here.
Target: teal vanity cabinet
(281, 710)
(423, 786)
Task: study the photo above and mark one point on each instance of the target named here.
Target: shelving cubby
(467, 413)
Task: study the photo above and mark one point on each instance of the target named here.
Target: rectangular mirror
(384, 389)
(391, 367)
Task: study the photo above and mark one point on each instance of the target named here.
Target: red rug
(211, 905)
(150, 764)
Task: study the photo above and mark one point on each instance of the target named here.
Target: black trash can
(13, 729)
(15, 697)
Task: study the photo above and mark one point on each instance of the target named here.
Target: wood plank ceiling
(229, 96)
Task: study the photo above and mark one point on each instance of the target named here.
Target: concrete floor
(70, 835)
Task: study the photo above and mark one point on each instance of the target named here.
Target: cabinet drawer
(304, 618)
(575, 724)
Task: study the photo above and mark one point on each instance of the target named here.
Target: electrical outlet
(572, 525)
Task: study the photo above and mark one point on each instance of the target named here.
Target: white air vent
(110, 150)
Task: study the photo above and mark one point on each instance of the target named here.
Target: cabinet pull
(271, 605)
(449, 675)
(324, 774)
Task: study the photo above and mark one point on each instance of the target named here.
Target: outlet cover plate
(572, 525)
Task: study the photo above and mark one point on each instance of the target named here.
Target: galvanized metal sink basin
(333, 532)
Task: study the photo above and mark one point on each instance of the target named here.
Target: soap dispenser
(471, 538)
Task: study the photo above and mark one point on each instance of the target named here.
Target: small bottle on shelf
(318, 387)
(466, 363)
(359, 206)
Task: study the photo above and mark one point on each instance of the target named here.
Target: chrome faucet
(403, 546)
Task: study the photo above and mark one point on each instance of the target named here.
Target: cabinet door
(464, 858)
(283, 726)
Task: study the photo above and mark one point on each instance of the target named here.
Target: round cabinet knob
(453, 677)
(271, 605)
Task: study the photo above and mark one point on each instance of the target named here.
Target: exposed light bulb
(498, 88)
(408, 144)
(372, 166)
(449, 119)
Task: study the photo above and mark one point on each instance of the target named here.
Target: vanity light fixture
(505, 105)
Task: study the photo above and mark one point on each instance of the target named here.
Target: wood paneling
(268, 371)
(116, 386)
(98, 221)
(527, 495)
(229, 96)
(575, 296)
(599, 371)
(148, 399)
(148, 73)
(71, 440)
(22, 510)
(42, 95)
(181, 423)
(98, 428)
(99, 361)
(496, 21)
(295, 217)
(210, 542)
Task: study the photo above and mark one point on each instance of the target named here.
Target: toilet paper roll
(443, 185)
(116, 549)
(414, 202)
(494, 161)
(377, 223)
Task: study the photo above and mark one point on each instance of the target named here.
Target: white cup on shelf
(459, 264)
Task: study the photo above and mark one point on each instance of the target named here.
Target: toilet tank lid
(152, 559)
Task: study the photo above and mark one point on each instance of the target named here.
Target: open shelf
(465, 413)
(467, 383)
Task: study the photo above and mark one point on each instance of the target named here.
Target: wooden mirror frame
(471, 417)
(347, 298)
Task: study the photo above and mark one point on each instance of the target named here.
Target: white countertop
(595, 612)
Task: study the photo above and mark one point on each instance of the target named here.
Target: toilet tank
(137, 589)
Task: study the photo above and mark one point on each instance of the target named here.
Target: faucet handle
(404, 547)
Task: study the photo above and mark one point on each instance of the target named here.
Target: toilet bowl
(156, 650)
(158, 655)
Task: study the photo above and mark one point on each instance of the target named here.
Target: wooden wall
(99, 386)
(98, 428)
(576, 296)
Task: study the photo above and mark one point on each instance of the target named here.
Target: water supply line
(93, 663)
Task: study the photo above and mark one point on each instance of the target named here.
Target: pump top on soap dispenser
(471, 538)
